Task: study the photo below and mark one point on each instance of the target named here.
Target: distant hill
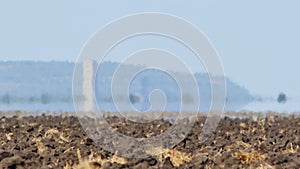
(51, 82)
(35, 81)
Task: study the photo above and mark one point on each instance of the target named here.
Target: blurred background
(257, 42)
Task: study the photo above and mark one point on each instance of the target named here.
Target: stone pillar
(89, 70)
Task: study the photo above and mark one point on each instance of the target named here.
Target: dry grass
(265, 166)
(94, 162)
(249, 157)
(8, 136)
(40, 145)
(293, 149)
(49, 134)
(177, 158)
(56, 135)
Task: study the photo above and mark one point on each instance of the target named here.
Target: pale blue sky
(258, 41)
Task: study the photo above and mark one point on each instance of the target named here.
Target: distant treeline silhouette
(44, 98)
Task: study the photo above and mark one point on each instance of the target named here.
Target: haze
(258, 41)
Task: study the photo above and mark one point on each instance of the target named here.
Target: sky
(257, 41)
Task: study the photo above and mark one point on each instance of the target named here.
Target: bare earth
(60, 142)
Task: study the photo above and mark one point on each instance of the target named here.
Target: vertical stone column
(89, 70)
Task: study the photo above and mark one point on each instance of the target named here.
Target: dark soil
(60, 141)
